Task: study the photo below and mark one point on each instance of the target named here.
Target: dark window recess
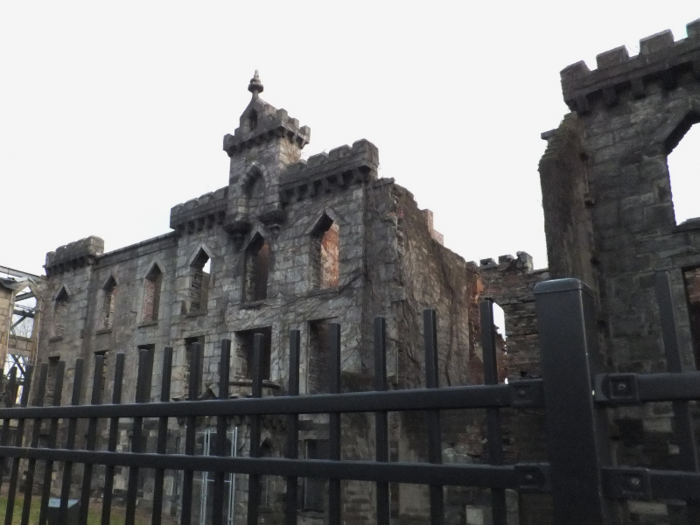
(51, 381)
(60, 313)
(151, 294)
(692, 289)
(317, 359)
(257, 268)
(314, 493)
(152, 348)
(108, 300)
(199, 285)
(325, 260)
(245, 348)
(190, 365)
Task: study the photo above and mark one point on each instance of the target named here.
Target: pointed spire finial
(255, 86)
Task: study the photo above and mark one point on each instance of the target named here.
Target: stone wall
(287, 245)
(628, 115)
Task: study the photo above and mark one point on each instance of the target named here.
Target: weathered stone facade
(609, 217)
(287, 244)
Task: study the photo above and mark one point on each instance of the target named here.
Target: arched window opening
(151, 295)
(257, 269)
(199, 283)
(684, 173)
(325, 258)
(108, 300)
(60, 313)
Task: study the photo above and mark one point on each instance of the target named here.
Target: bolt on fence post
(576, 443)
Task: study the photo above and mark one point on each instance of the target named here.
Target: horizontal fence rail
(576, 393)
(380, 402)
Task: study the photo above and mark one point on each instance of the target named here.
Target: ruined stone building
(293, 244)
(286, 244)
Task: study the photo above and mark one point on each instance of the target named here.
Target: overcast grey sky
(113, 112)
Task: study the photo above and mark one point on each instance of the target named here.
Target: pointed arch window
(257, 269)
(151, 294)
(199, 282)
(325, 254)
(683, 161)
(109, 293)
(60, 313)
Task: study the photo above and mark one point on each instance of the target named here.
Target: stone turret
(265, 143)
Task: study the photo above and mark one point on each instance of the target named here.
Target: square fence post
(575, 428)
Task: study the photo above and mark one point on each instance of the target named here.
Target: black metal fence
(585, 486)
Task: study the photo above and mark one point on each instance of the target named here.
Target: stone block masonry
(288, 244)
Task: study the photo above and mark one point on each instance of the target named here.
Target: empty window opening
(23, 314)
(317, 365)
(684, 172)
(151, 294)
(499, 321)
(60, 313)
(199, 284)
(325, 259)
(314, 494)
(51, 381)
(245, 352)
(692, 290)
(257, 269)
(108, 300)
(192, 366)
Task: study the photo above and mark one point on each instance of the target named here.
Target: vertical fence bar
(91, 441)
(53, 433)
(381, 419)
(255, 420)
(70, 440)
(12, 492)
(576, 444)
(437, 503)
(190, 435)
(334, 507)
(290, 514)
(221, 426)
(36, 432)
(682, 418)
(112, 439)
(161, 447)
(493, 415)
(137, 440)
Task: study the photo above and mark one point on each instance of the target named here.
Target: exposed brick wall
(108, 300)
(151, 295)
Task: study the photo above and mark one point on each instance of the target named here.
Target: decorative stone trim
(200, 213)
(326, 172)
(74, 255)
(660, 60)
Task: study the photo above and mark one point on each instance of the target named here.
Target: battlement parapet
(277, 123)
(74, 255)
(522, 262)
(660, 59)
(199, 213)
(326, 172)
